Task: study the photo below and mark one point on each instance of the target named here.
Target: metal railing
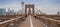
(14, 22)
(49, 21)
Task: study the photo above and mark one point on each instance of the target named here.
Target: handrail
(50, 19)
(10, 20)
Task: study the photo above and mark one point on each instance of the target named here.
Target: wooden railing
(49, 21)
(14, 22)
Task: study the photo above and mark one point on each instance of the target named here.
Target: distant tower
(22, 4)
(58, 13)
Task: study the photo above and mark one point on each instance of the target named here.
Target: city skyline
(46, 6)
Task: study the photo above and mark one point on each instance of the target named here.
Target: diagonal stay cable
(38, 10)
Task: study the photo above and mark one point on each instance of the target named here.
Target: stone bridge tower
(29, 9)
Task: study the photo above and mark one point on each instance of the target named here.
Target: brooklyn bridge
(30, 17)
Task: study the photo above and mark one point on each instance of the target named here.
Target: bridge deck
(31, 22)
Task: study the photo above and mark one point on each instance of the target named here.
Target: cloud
(12, 4)
(46, 6)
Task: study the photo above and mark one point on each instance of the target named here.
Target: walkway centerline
(31, 22)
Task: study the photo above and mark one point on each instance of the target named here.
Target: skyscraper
(2, 11)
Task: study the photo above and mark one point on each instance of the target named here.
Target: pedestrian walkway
(31, 22)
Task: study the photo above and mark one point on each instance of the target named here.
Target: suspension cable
(39, 11)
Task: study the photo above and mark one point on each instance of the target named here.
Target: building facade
(2, 12)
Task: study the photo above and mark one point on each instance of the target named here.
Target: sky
(46, 6)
